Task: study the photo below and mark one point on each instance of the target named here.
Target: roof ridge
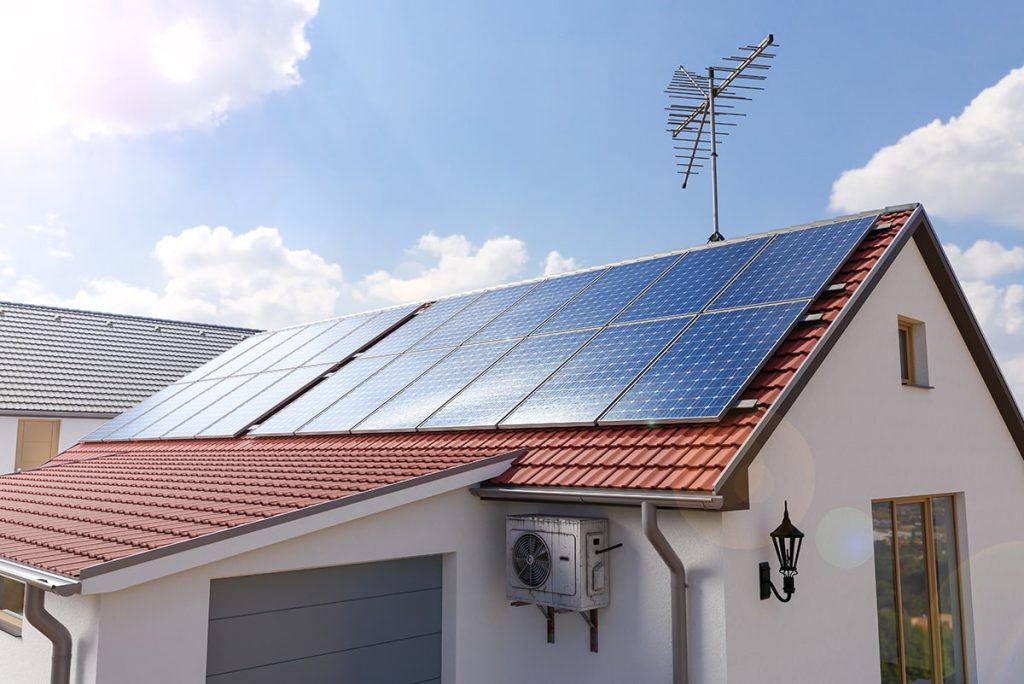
(147, 319)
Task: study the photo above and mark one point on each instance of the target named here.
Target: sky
(269, 162)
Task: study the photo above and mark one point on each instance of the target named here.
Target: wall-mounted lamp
(787, 540)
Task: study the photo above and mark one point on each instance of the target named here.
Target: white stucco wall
(26, 659)
(72, 430)
(857, 434)
(156, 632)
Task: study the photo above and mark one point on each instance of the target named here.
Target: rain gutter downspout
(52, 629)
(649, 522)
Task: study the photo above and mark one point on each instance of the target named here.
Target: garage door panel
(339, 624)
(402, 662)
(234, 596)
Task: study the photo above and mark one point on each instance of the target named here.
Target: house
(66, 372)
(390, 497)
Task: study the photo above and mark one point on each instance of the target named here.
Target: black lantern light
(787, 540)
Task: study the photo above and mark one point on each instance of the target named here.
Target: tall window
(917, 586)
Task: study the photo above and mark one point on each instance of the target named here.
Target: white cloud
(555, 263)
(129, 68)
(212, 274)
(985, 259)
(971, 166)
(454, 266)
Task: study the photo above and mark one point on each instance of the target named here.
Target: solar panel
(420, 325)
(796, 265)
(467, 322)
(311, 403)
(702, 373)
(343, 328)
(345, 413)
(606, 296)
(187, 393)
(227, 401)
(147, 404)
(268, 342)
(255, 404)
(228, 355)
(490, 397)
(533, 309)
(584, 387)
(415, 403)
(695, 279)
(363, 335)
(196, 406)
(306, 334)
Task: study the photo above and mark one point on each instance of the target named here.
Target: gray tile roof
(55, 360)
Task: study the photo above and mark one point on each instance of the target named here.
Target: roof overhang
(185, 555)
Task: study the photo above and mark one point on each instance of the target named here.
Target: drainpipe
(649, 522)
(52, 629)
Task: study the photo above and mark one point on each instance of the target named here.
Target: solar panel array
(665, 339)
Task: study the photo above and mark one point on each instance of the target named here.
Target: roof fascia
(191, 553)
(766, 426)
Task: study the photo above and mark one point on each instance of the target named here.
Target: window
(12, 605)
(917, 587)
(913, 353)
(38, 442)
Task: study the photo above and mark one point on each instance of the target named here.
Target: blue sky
(395, 150)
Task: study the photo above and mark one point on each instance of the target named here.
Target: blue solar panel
(344, 414)
(702, 373)
(421, 325)
(467, 322)
(287, 348)
(522, 317)
(363, 335)
(693, 281)
(591, 380)
(411, 406)
(491, 396)
(144, 406)
(606, 296)
(343, 328)
(252, 405)
(311, 403)
(795, 265)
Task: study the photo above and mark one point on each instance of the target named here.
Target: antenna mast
(695, 122)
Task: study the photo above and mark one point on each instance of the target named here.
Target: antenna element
(694, 123)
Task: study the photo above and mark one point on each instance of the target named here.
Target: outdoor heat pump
(557, 562)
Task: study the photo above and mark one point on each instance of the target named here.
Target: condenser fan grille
(531, 560)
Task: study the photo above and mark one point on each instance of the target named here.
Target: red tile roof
(100, 502)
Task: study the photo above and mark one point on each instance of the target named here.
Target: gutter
(52, 629)
(598, 496)
(62, 585)
(649, 522)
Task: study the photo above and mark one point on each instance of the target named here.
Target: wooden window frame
(933, 594)
(11, 622)
(913, 346)
(905, 330)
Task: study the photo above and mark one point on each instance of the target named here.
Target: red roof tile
(99, 502)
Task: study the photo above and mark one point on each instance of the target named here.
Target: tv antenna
(694, 123)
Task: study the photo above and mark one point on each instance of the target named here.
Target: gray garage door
(376, 622)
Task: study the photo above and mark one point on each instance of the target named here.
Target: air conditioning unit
(554, 561)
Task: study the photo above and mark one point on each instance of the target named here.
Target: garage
(372, 622)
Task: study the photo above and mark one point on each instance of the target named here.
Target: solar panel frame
(345, 327)
(218, 361)
(589, 368)
(789, 315)
(595, 306)
(420, 398)
(365, 335)
(732, 295)
(236, 364)
(171, 403)
(474, 317)
(308, 333)
(195, 406)
(424, 323)
(507, 382)
(138, 410)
